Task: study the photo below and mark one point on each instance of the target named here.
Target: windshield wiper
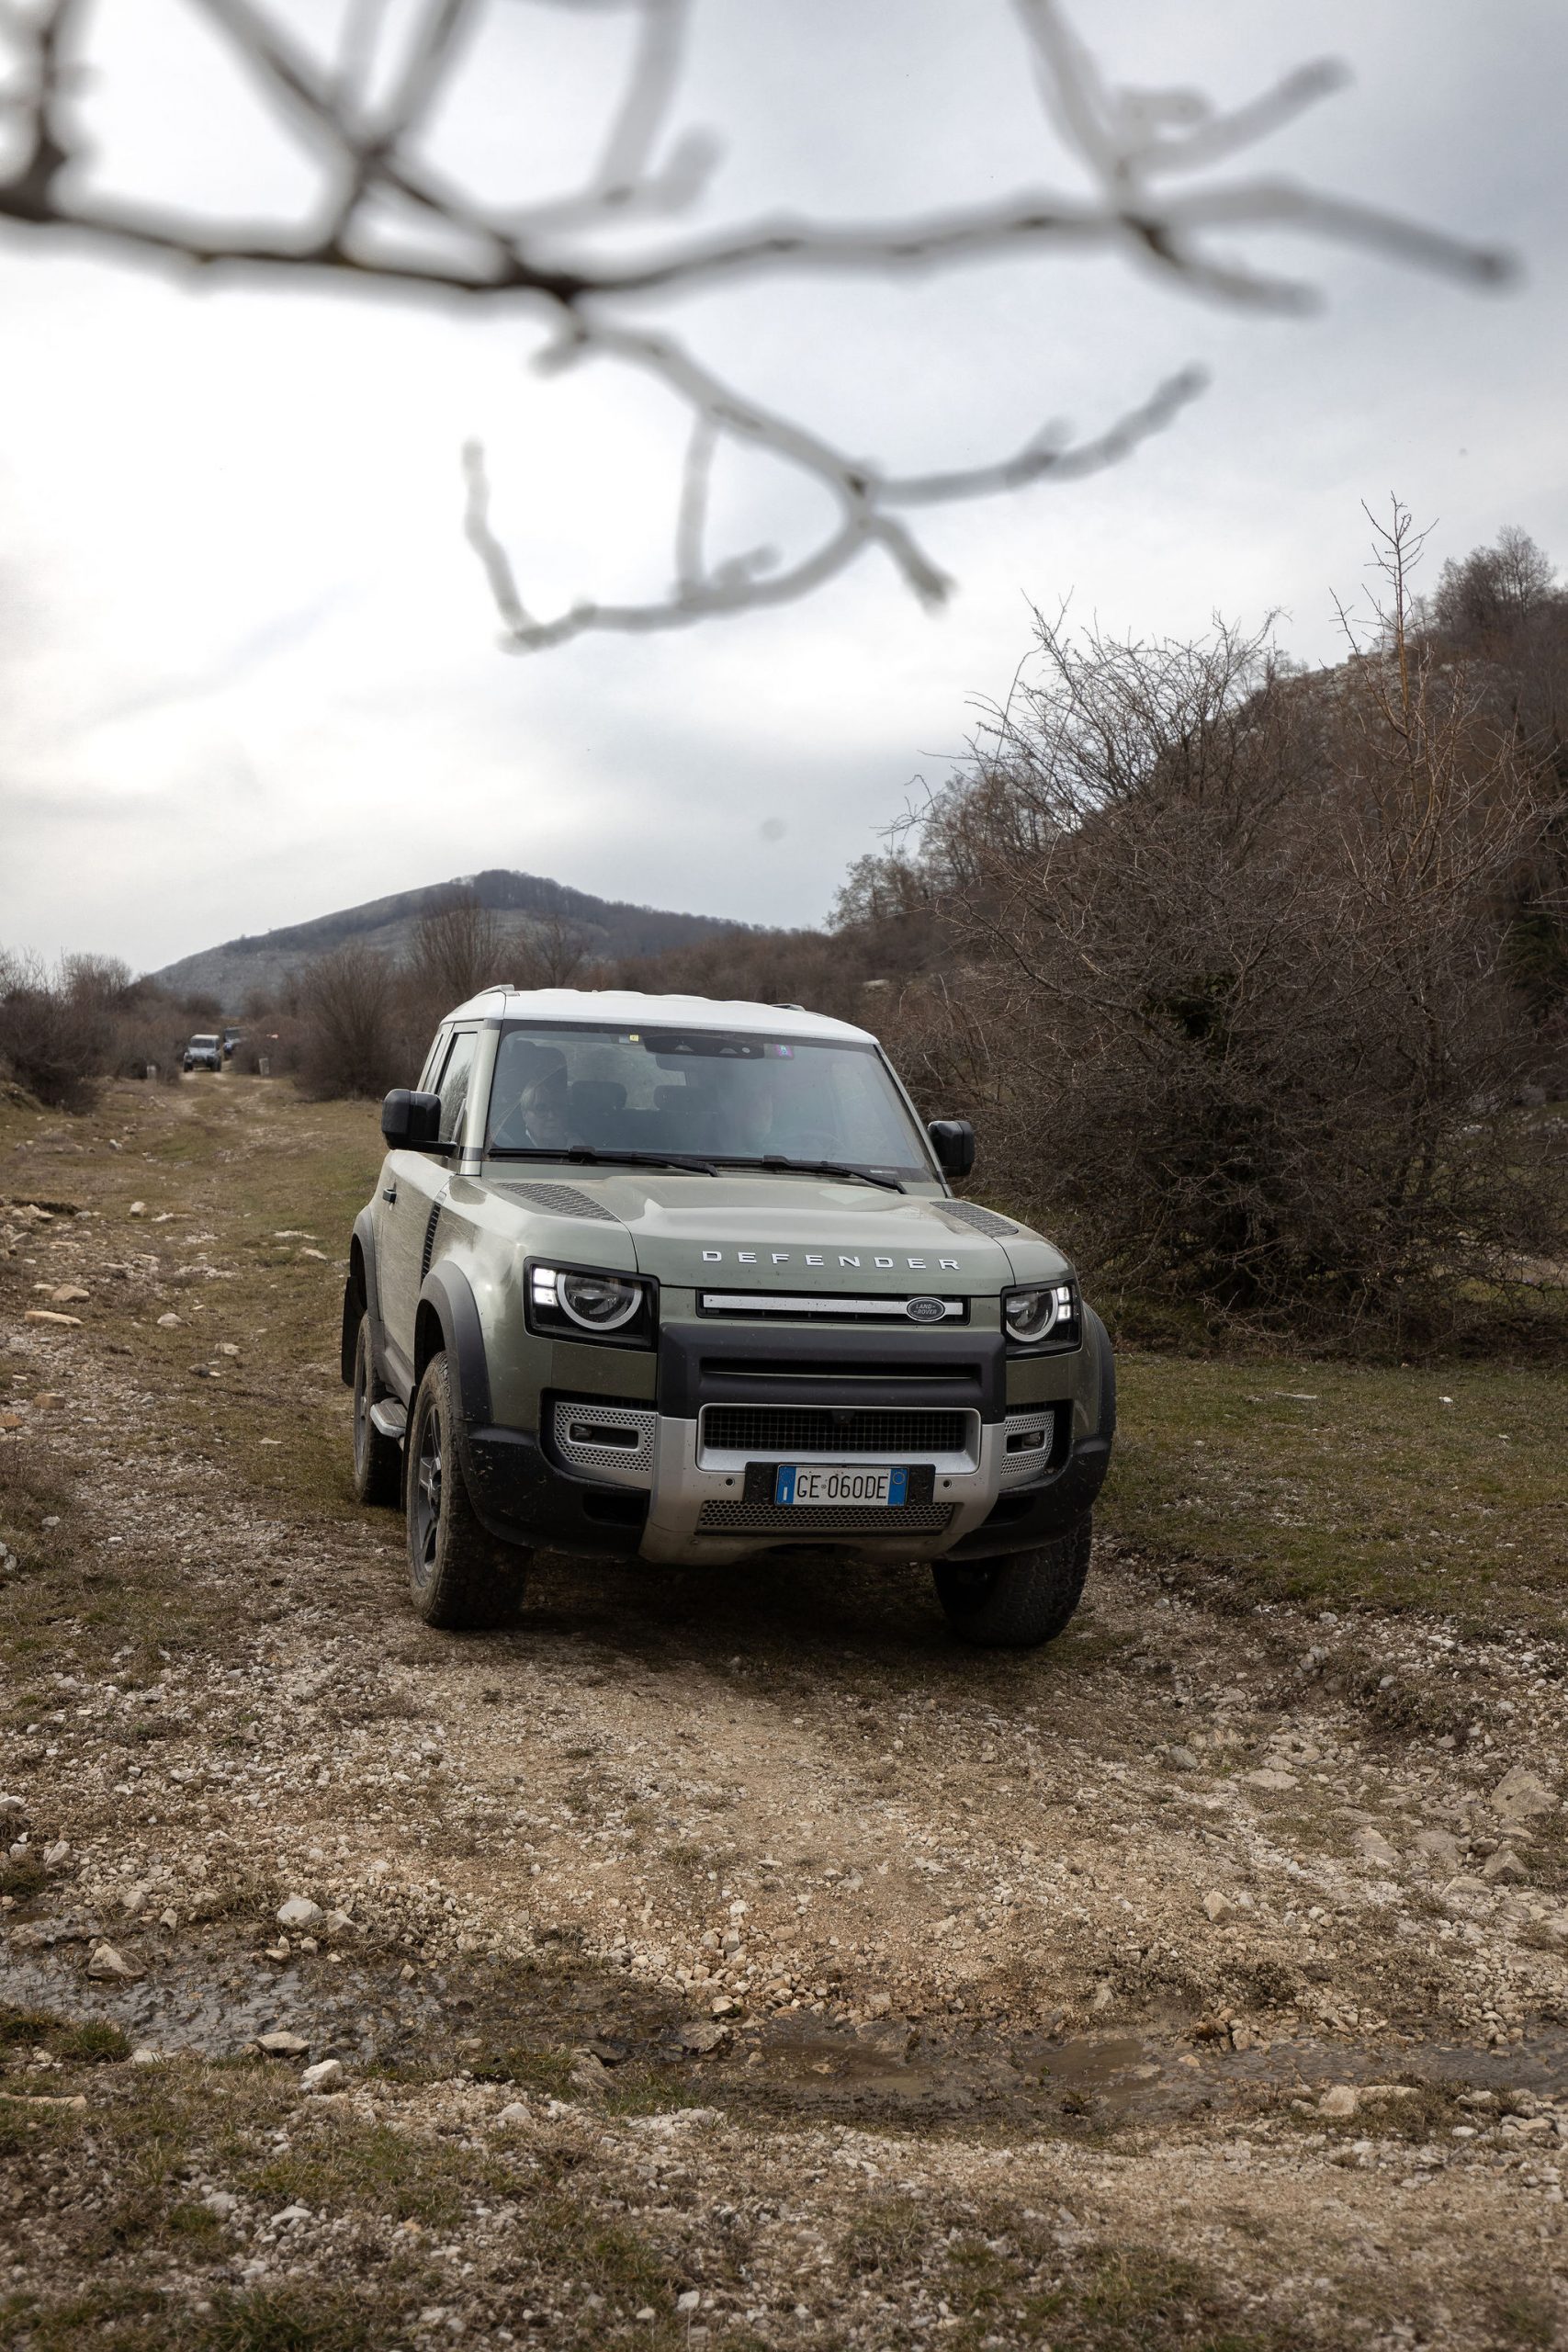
(590, 1155)
(815, 1168)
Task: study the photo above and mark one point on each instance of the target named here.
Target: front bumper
(687, 1507)
(686, 1475)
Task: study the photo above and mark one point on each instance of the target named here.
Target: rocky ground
(719, 1959)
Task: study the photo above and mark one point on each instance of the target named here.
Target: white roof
(628, 1009)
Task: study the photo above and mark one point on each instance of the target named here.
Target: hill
(609, 927)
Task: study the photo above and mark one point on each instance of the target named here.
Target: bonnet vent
(561, 1200)
(978, 1219)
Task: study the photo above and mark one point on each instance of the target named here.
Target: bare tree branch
(1131, 144)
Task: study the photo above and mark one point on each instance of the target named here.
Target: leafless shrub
(1495, 590)
(1158, 189)
(143, 1024)
(277, 1038)
(54, 1038)
(458, 948)
(842, 977)
(552, 954)
(1226, 969)
(352, 1032)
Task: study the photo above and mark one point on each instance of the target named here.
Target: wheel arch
(448, 1318)
(359, 1297)
(1106, 1427)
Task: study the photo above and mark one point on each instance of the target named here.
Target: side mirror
(954, 1143)
(411, 1122)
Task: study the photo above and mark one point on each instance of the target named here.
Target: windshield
(204, 1041)
(708, 1093)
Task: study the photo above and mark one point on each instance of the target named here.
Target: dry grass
(1340, 1483)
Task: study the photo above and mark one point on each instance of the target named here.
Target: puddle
(901, 2068)
(214, 1998)
(214, 2013)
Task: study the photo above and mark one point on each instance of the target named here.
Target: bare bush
(352, 1032)
(279, 1039)
(1226, 969)
(551, 954)
(63, 1031)
(54, 1038)
(458, 948)
(1495, 590)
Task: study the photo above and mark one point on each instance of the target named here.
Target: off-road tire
(378, 1460)
(1020, 1599)
(460, 1577)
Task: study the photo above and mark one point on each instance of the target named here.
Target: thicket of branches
(359, 1020)
(1161, 178)
(63, 1030)
(1254, 980)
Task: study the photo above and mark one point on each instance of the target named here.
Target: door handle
(388, 1192)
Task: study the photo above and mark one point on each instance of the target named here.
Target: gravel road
(1225, 1932)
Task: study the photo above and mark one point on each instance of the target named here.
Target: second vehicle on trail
(680, 1280)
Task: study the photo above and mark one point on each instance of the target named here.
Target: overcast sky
(249, 671)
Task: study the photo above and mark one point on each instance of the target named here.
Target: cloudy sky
(249, 669)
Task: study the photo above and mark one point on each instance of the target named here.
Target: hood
(783, 1233)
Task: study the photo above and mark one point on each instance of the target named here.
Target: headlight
(1047, 1314)
(577, 1303)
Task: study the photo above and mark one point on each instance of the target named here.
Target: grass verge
(1337, 1485)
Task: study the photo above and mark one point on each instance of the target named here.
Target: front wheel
(378, 1460)
(1020, 1601)
(460, 1577)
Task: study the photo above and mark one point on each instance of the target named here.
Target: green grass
(1002, 2272)
(94, 2041)
(1340, 1483)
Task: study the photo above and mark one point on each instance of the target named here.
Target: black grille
(804, 1429)
(802, 1526)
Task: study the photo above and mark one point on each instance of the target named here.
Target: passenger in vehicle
(532, 1078)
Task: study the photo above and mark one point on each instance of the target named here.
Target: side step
(389, 1417)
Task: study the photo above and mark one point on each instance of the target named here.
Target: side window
(433, 1062)
(452, 1084)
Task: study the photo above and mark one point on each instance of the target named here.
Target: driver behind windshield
(529, 1097)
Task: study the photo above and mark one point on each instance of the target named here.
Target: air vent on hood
(561, 1200)
(979, 1220)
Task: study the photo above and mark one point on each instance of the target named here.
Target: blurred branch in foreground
(1159, 191)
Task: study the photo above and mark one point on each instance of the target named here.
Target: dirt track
(1065, 1951)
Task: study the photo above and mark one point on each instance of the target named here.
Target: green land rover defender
(685, 1280)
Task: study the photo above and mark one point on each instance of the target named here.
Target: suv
(658, 1276)
(204, 1053)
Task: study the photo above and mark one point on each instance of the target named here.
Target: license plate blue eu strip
(898, 1486)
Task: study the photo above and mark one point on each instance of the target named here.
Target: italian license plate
(841, 1485)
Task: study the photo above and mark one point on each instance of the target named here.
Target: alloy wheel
(427, 1497)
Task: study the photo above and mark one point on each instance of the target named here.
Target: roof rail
(499, 988)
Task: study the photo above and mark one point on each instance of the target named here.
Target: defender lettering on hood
(822, 1257)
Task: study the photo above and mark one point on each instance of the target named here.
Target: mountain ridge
(258, 962)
